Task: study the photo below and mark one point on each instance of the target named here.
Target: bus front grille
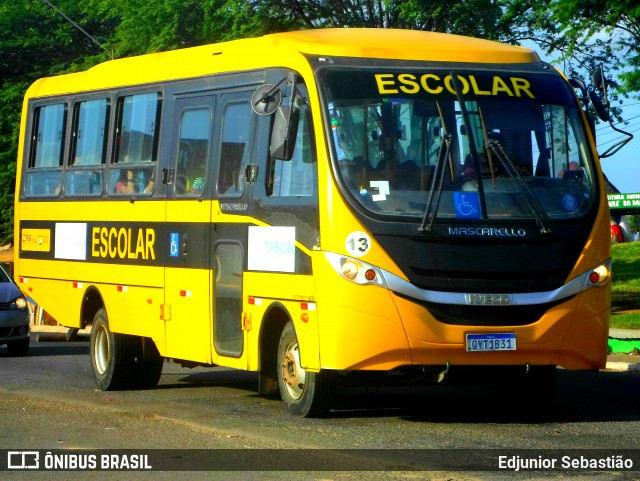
(486, 316)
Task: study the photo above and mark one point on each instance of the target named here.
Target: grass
(625, 303)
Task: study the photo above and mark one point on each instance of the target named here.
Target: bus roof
(282, 49)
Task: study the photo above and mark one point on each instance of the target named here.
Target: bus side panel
(134, 310)
(296, 294)
(49, 292)
(188, 324)
(359, 325)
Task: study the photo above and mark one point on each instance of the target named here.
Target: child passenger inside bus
(125, 184)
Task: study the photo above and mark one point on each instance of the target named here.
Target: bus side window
(193, 151)
(136, 144)
(85, 173)
(44, 175)
(234, 151)
(297, 177)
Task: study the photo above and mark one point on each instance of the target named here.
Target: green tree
(36, 41)
(587, 33)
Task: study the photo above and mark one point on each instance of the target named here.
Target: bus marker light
(370, 275)
(594, 277)
(123, 288)
(185, 293)
(23, 280)
(77, 285)
(251, 300)
(149, 301)
(304, 317)
(304, 306)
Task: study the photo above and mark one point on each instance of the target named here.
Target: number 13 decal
(358, 244)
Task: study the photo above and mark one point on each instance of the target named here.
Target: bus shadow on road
(578, 396)
(44, 350)
(207, 377)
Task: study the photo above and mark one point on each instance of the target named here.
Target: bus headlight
(355, 270)
(349, 270)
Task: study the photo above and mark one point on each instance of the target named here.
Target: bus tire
(112, 356)
(304, 393)
(150, 364)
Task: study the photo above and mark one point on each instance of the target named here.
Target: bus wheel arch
(92, 302)
(273, 322)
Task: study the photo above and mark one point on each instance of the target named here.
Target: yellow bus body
(339, 325)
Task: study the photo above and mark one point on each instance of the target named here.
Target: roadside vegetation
(625, 303)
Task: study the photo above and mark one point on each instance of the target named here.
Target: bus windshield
(444, 144)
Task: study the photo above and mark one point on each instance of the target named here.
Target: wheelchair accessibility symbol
(174, 239)
(467, 205)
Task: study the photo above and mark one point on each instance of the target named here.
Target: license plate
(491, 342)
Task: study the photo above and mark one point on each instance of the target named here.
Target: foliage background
(37, 41)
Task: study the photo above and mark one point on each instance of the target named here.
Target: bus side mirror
(284, 132)
(600, 83)
(598, 79)
(598, 106)
(576, 83)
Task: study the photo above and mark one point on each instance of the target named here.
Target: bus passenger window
(137, 128)
(136, 144)
(48, 136)
(88, 148)
(44, 176)
(193, 151)
(89, 132)
(233, 151)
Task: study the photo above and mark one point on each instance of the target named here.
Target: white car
(14, 317)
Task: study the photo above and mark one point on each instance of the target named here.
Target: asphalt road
(49, 401)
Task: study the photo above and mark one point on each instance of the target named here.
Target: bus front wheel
(304, 393)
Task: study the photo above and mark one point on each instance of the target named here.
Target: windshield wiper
(542, 219)
(444, 153)
(494, 147)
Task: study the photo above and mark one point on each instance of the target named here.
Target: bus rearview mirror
(284, 132)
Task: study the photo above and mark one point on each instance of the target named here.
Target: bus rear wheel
(304, 393)
(120, 361)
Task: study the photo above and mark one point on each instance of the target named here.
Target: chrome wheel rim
(101, 351)
(293, 375)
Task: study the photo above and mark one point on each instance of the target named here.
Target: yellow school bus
(313, 204)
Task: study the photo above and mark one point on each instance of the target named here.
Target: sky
(622, 168)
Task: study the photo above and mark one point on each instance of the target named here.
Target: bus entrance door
(229, 230)
(188, 274)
